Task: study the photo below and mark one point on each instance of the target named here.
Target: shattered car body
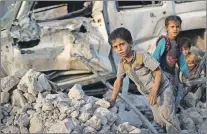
(45, 36)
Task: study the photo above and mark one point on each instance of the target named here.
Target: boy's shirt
(158, 53)
(141, 70)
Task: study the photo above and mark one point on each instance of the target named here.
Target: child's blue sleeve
(157, 54)
(182, 65)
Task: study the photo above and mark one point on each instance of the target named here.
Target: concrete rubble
(34, 107)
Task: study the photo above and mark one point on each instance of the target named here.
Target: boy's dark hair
(184, 42)
(172, 18)
(121, 33)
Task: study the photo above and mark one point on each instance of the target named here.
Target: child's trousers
(164, 111)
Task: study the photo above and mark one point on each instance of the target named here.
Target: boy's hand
(112, 102)
(152, 97)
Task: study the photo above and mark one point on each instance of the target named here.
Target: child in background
(191, 60)
(168, 53)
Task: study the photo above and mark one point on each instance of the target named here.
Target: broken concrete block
(47, 106)
(103, 103)
(91, 100)
(137, 131)
(76, 92)
(95, 122)
(89, 129)
(196, 117)
(62, 116)
(63, 107)
(24, 120)
(114, 109)
(34, 82)
(105, 129)
(125, 126)
(30, 98)
(87, 107)
(84, 116)
(75, 114)
(113, 128)
(7, 83)
(186, 123)
(24, 130)
(56, 98)
(10, 120)
(65, 126)
(14, 129)
(4, 97)
(7, 107)
(190, 100)
(36, 125)
(18, 98)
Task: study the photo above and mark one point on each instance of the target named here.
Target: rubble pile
(33, 105)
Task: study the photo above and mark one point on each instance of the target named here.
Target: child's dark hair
(184, 42)
(121, 33)
(172, 18)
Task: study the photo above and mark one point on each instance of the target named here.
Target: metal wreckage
(67, 40)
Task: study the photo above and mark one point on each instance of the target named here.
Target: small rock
(113, 128)
(24, 130)
(95, 122)
(196, 117)
(4, 97)
(10, 120)
(113, 109)
(5, 113)
(7, 83)
(75, 114)
(57, 98)
(91, 100)
(87, 108)
(30, 98)
(76, 92)
(190, 99)
(63, 107)
(84, 116)
(47, 106)
(30, 112)
(137, 130)
(24, 120)
(18, 98)
(14, 129)
(36, 125)
(89, 129)
(103, 103)
(62, 116)
(65, 126)
(105, 129)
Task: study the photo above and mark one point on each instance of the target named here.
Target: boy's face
(121, 47)
(185, 51)
(173, 28)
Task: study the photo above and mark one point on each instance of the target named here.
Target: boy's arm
(159, 50)
(153, 65)
(183, 66)
(117, 84)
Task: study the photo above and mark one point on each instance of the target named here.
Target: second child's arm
(183, 66)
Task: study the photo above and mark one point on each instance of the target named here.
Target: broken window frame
(160, 3)
(69, 15)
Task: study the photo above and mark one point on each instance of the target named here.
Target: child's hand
(112, 102)
(152, 97)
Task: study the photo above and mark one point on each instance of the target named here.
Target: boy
(168, 53)
(144, 71)
(191, 60)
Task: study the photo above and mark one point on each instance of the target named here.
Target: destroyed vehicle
(46, 35)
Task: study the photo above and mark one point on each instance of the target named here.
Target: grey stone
(57, 98)
(18, 98)
(24, 120)
(89, 129)
(47, 106)
(63, 107)
(75, 114)
(10, 120)
(95, 122)
(14, 129)
(30, 112)
(105, 129)
(76, 92)
(87, 107)
(36, 125)
(62, 116)
(190, 100)
(24, 130)
(4, 97)
(84, 116)
(103, 103)
(65, 126)
(137, 130)
(91, 100)
(30, 98)
(7, 83)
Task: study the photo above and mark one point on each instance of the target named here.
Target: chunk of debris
(18, 98)
(76, 92)
(7, 83)
(5, 97)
